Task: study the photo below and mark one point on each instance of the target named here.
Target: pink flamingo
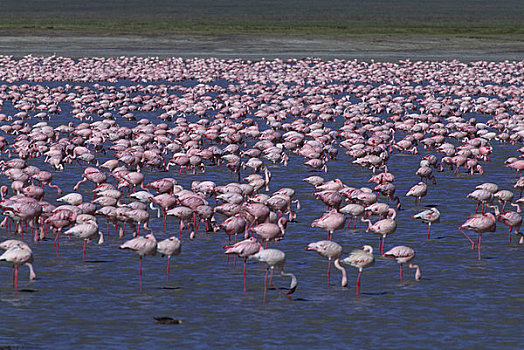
(383, 228)
(418, 191)
(143, 246)
(332, 251)
(360, 259)
(354, 210)
(275, 258)
(479, 223)
(269, 231)
(511, 219)
(429, 216)
(19, 254)
(169, 246)
(86, 231)
(402, 255)
(330, 221)
(481, 196)
(518, 165)
(244, 249)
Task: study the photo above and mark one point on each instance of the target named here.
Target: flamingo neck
(343, 270)
(418, 275)
(32, 274)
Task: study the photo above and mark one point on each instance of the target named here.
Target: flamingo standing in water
(244, 249)
(479, 223)
(511, 219)
(383, 228)
(169, 246)
(86, 231)
(360, 258)
(402, 255)
(330, 221)
(428, 216)
(418, 191)
(275, 258)
(18, 254)
(142, 246)
(332, 251)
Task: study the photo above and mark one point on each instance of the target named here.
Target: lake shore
(360, 47)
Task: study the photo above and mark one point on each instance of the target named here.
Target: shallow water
(459, 303)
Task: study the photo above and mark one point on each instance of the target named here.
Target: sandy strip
(381, 48)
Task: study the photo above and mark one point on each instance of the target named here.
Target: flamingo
(402, 255)
(330, 222)
(169, 246)
(86, 231)
(143, 246)
(269, 231)
(428, 216)
(19, 254)
(510, 218)
(244, 249)
(479, 223)
(360, 259)
(383, 228)
(275, 258)
(418, 191)
(332, 251)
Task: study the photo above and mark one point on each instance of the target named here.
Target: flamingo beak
(291, 291)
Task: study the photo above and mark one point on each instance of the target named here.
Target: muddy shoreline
(363, 47)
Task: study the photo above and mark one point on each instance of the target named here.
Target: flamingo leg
(245, 263)
(472, 243)
(329, 270)
(480, 237)
(272, 285)
(84, 251)
(510, 229)
(429, 228)
(16, 278)
(401, 272)
(140, 273)
(168, 263)
(265, 285)
(56, 243)
(358, 282)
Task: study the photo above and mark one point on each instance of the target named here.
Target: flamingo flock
(138, 128)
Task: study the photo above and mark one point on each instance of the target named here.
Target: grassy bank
(291, 17)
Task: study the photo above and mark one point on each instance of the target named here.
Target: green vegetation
(291, 17)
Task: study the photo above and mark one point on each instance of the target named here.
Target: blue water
(459, 303)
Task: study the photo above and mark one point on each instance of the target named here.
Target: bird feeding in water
(275, 258)
(360, 259)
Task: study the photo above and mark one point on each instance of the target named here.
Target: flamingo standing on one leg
(332, 251)
(86, 231)
(403, 254)
(142, 246)
(360, 258)
(244, 249)
(169, 246)
(275, 258)
(428, 216)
